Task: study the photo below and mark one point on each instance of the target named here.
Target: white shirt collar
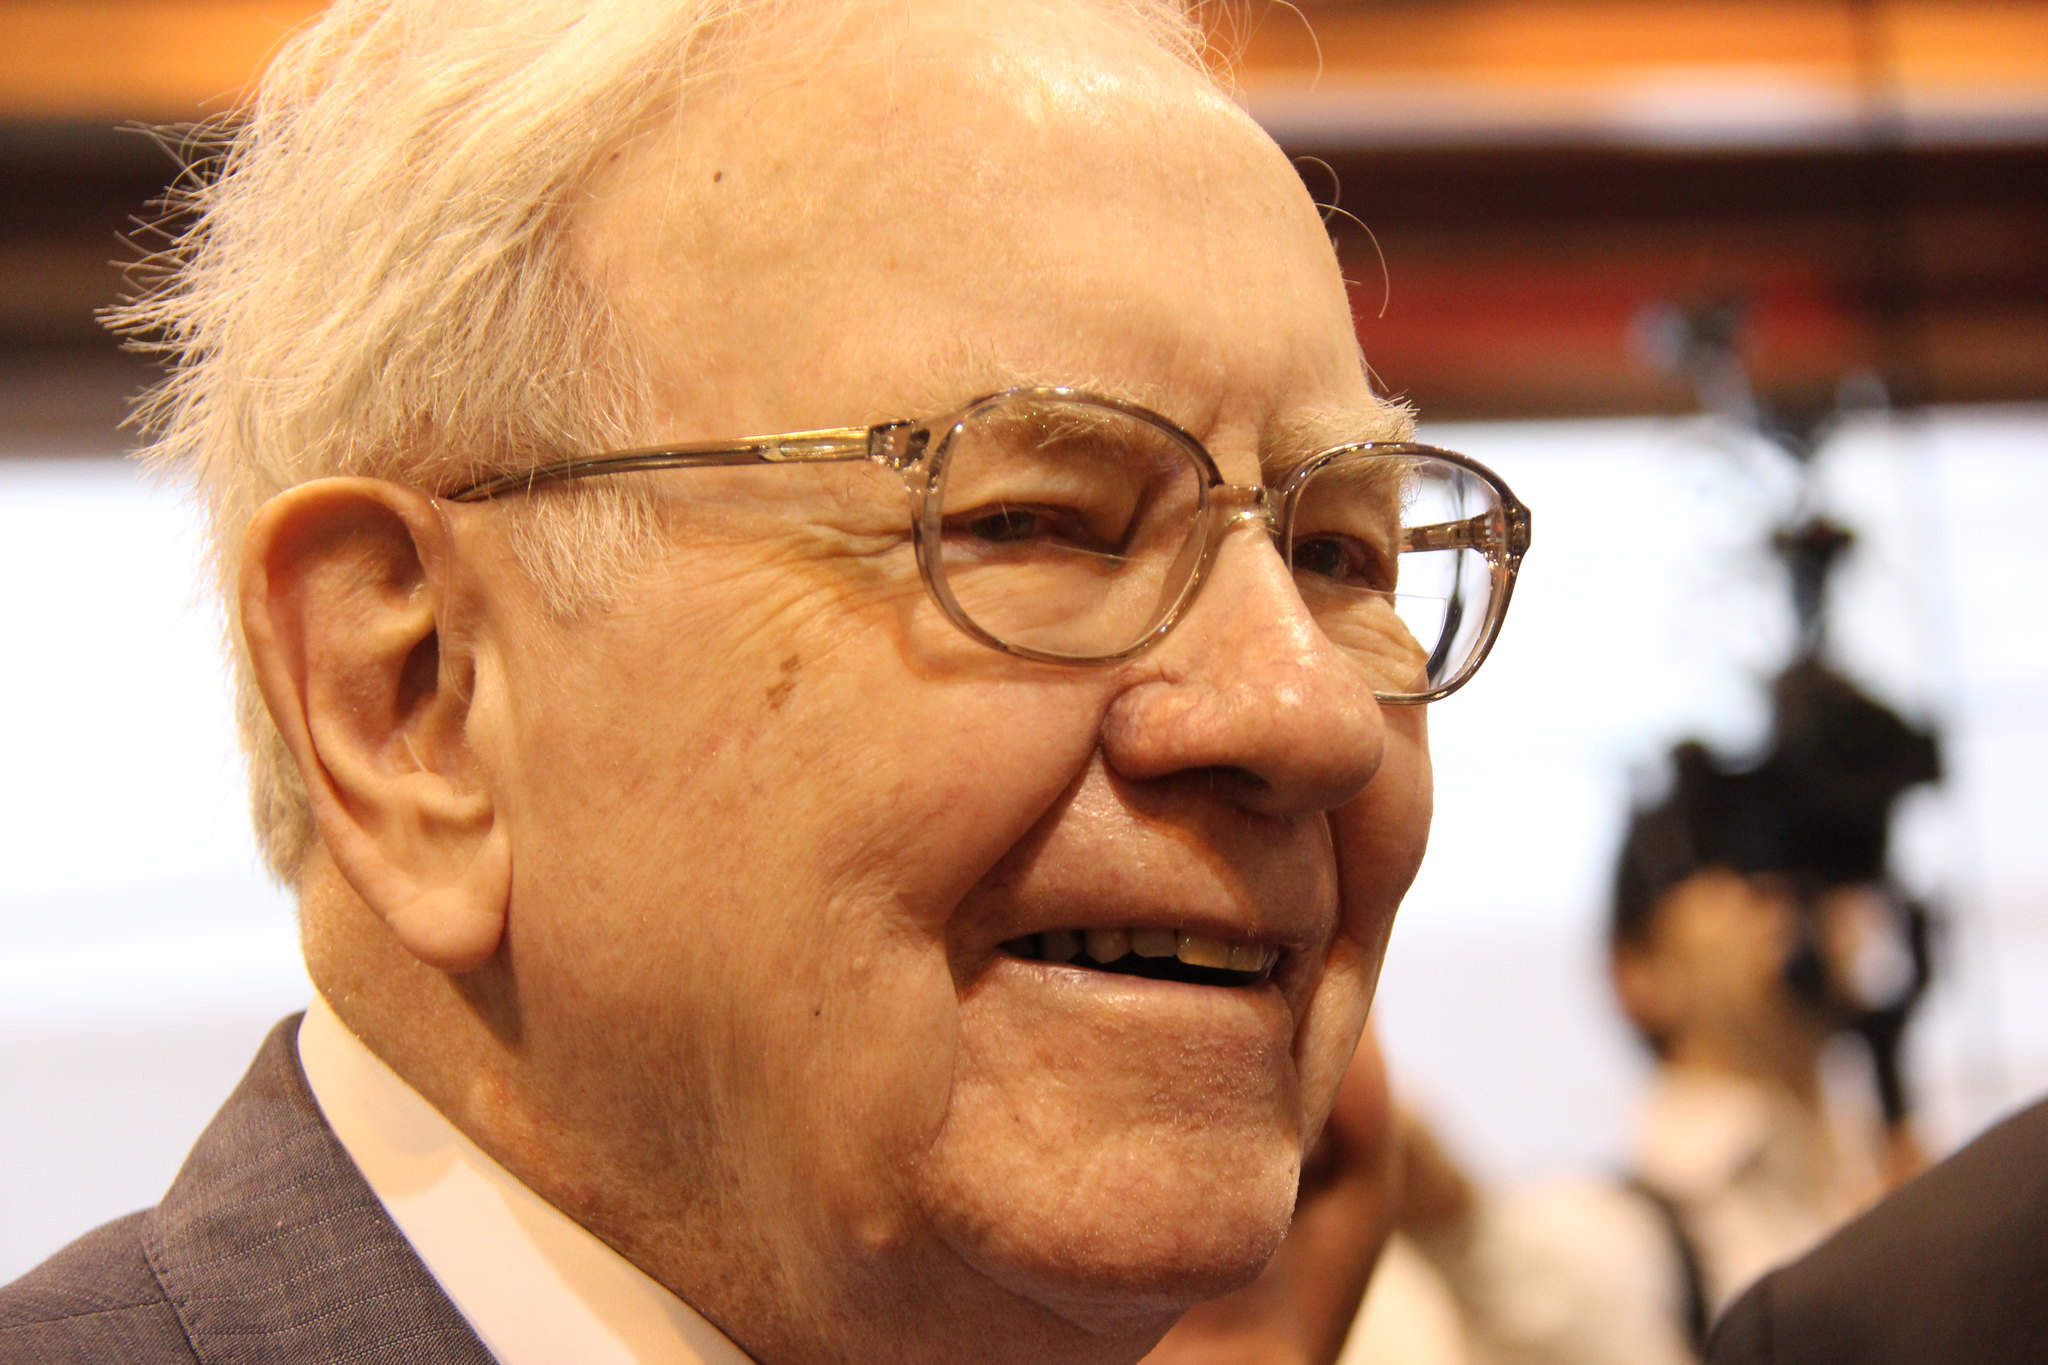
(1703, 1132)
(536, 1286)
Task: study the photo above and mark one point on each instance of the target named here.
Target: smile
(1160, 954)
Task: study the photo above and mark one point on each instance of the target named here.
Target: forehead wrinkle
(1134, 343)
(965, 368)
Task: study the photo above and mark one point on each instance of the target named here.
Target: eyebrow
(1298, 437)
(1289, 441)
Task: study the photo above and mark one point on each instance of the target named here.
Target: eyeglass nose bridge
(1231, 503)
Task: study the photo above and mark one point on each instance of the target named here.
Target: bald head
(920, 198)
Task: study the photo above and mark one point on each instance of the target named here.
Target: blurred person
(1754, 926)
(1948, 1267)
(905, 889)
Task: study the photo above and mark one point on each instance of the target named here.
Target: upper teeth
(1107, 945)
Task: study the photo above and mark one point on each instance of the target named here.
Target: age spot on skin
(779, 691)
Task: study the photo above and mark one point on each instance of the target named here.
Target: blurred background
(1563, 220)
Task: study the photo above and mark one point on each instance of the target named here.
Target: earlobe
(456, 924)
(351, 611)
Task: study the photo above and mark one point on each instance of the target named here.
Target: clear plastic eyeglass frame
(917, 450)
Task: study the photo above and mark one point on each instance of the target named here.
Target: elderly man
(902, 891)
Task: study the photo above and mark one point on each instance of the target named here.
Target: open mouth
(1160, 954)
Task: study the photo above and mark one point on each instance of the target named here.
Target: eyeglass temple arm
(1482, 533)
(888, 443)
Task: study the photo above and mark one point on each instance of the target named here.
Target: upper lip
(1303, 928)
(1231, 931)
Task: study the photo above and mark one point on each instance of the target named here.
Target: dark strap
(1693, 1282)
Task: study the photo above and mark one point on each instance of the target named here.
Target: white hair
(373, 279)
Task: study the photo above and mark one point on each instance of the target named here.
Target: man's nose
(1248, 693)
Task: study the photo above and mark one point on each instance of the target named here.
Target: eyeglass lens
(1388, 551)
(1072, 530)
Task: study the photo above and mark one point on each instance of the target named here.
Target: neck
(1790, 1065)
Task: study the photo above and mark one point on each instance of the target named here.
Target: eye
(1026, 526)
(1345, 561)
(1006, 525)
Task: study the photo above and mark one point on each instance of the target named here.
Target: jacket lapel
(272, 1249)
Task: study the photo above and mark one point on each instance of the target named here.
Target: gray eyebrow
(965, 367)
(1299, 437)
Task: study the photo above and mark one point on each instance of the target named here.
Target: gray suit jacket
(268, 1247)
(1951, 1268)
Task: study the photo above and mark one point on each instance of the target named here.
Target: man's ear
(348, 610)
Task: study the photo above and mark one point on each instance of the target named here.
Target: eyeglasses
(1066, 528)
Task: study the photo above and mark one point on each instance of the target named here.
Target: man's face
(1711, 976)
(773, 818)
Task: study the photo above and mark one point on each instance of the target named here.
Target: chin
(1127, 1242)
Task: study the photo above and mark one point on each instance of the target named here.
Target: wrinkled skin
(1301, 1308)
(728, 863)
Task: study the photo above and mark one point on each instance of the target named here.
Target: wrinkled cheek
(1380, 839)
(805, 1099)
(865, 1169)
(1331, 1026)
(1381, 836)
